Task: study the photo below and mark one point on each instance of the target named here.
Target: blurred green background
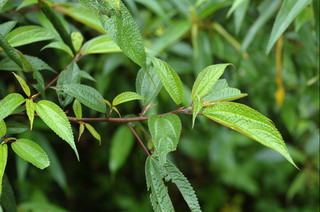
(228, 171)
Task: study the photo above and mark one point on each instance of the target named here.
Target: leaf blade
(3, 162)
(30, 108)
(31, 152)
(9, 103)
(23, 84)
(125, 97)
(56, 119)
(249, 122)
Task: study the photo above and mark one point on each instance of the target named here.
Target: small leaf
(288, 11)
(249, 122)
(81, 130)
(159, 196)
(87, 95)
(59, 45)
(6, 27)
(206, 80)
(125, 97)
(93, 132)
(23, 85)
(172, 173)
(3, 162)
(31, 152)
(169, 79)
(28, 34)
(30, 107)
(14, 127)
(148, 85)
(197, 106)
(57, 120)
(100, 45)
(165, 132)
(8, 65)
(77, 109)
(3, 128)
(70, 76)
(121, 146)
(9, 103)
(77, 40)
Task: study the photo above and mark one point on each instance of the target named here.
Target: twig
(138, 138)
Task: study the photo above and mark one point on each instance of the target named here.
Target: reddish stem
(139, 140)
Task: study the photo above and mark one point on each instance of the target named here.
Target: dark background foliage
(228, 171)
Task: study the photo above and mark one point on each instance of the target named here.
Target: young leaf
(31, 152)
(176, 176)
(125, 97)
(3, 128)
(159, 196)
(77, 40)
(169, 79)
(3, 162)
(148, 86)
(28, 34)
(93, 132)
(249, 122)
(165, 132)
(99, 45)
(57, 120)
(6, 27)
(9, 103)
(30, 111)
(23, 84)
(121, 146)
(197, 106)
(87, 95)
(81, 130)
(288, 11)
(69, 76)
(122, 29)
(77, 109)
(206, 80)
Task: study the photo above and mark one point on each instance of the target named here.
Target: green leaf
(26, 3)
(6, 27)
(56, 21)
(23, 84)
(122, 29)
(169, 79)
(197, 106)
(148, 86)
(165, 132)
(86, 75)
(125, 97)
(239, 14)
(87, 95)
(8, 201)
(10, 51)
(159, 196)
(56, 120)
(26, 65)
(235, 5)
(3, 128)
(3, 162)
(77, 40)
(93, 132)
(40, 82)
(172, 173)
(288, 11)
(14, 127)
(70, 76)
(206, 80)
(2, 3)
(28, 34)
(77, 109)
(8, 65)
(249, 122)
(100, 45)
(221, 92)
(59, 45)
(9, 103)
(31, 152)
(269, 8)
(121, 146)
(30, 107)
(172, 34)
(81, 130)
(81, 15)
